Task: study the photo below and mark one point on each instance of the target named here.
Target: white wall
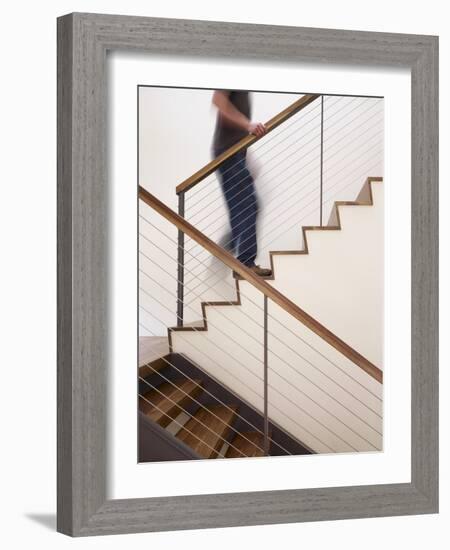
(28, 295)
(175, 131)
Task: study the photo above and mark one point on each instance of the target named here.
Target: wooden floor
(151, 348)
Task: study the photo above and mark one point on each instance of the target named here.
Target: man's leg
(246, 214)
(230, 176)
(240, 195)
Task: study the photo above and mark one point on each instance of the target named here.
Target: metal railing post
(180, 279)
(266, 383)
(321, 161)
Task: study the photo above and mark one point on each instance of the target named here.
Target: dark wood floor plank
(246, 444)
(206, 430)
(164, 404)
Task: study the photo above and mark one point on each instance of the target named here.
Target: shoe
(258, 270)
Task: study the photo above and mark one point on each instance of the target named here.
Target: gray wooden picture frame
(83, 41)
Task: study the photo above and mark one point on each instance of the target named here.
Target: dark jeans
(239, 191)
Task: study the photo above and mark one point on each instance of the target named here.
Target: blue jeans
(239, 191)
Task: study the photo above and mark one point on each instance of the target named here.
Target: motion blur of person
(232, 124)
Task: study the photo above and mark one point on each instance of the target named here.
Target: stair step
(206, 430)
(164, 404)
(154, 366)
(195, 324)
(246, 444)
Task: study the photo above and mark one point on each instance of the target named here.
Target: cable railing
(285, 363)
(320, 155)
(250, 321)
(314, 154)
(349, 422)
(277, 230)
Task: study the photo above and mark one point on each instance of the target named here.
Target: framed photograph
(247, 274)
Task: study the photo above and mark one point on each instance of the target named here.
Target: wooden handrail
(245, 142)
(259, 283)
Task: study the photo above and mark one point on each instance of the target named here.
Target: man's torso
(226, 135)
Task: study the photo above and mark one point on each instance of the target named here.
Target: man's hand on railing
(256, 128)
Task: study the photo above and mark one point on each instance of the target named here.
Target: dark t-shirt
(225, 134)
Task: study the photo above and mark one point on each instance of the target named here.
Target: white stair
(316, 393)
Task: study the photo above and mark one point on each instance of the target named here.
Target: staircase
(341, 407)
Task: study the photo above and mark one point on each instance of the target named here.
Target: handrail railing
(269, 291)
(245, 142)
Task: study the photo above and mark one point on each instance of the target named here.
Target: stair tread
(154, 366)
(162, 405)
(206, 430)
(246, 444)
